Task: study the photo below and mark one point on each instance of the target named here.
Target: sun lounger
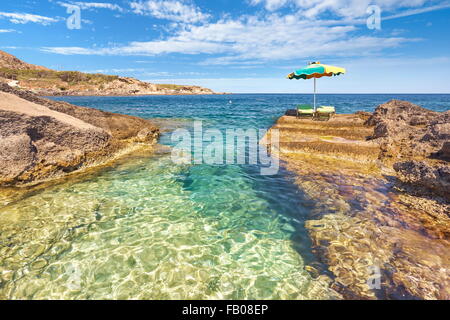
(325, 113)
(326, 109)
(322, 113)
(305, 110)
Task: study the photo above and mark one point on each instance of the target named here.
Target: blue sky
(240, 46)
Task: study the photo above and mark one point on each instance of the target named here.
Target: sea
(148, 228)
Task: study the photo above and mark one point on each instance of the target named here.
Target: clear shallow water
(148, 229)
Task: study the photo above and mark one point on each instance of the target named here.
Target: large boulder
(416, 141)
(42, 139)
(38, 147)
(405, 130)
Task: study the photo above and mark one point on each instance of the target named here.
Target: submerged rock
(42, 139)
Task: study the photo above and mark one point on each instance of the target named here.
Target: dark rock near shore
(291, 113)
(41, 139)
(444, 153)
(435, 178)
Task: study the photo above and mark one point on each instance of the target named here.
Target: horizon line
(329, 93)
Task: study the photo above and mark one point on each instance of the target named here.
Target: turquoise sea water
(246, 110)
(146, 228)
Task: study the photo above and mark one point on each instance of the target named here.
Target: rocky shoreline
(41, 139)
(46, 82)
(117, 86)
(376, 185)
(378, 189)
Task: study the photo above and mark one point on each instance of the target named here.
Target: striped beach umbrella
(316, 70)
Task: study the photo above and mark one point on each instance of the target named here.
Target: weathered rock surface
(360, 219)
(42, 139)
(416, 141)
(435, 178)
(405, 130)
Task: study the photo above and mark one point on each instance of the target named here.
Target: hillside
(8, 61)
(47, 82)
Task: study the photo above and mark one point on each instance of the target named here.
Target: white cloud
(144, 48)
(7, 30)
(412, 12)
(170, 10)
(70, 50)
(92, 5)
(271, 5)
(252, 40)
(113, 70)
(343, 8)
(23, 18)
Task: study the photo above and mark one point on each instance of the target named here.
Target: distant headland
(47, 82)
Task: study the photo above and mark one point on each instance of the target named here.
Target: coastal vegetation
(66, 79)
(47, 82)
(69, 77)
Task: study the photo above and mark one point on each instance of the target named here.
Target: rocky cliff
(42, 139)
(47, 82)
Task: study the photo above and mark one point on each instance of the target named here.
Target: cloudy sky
(239, 46)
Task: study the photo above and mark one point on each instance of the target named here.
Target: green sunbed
(323, 112)
(305, 110)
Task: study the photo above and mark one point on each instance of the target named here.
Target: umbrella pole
(315, 88)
